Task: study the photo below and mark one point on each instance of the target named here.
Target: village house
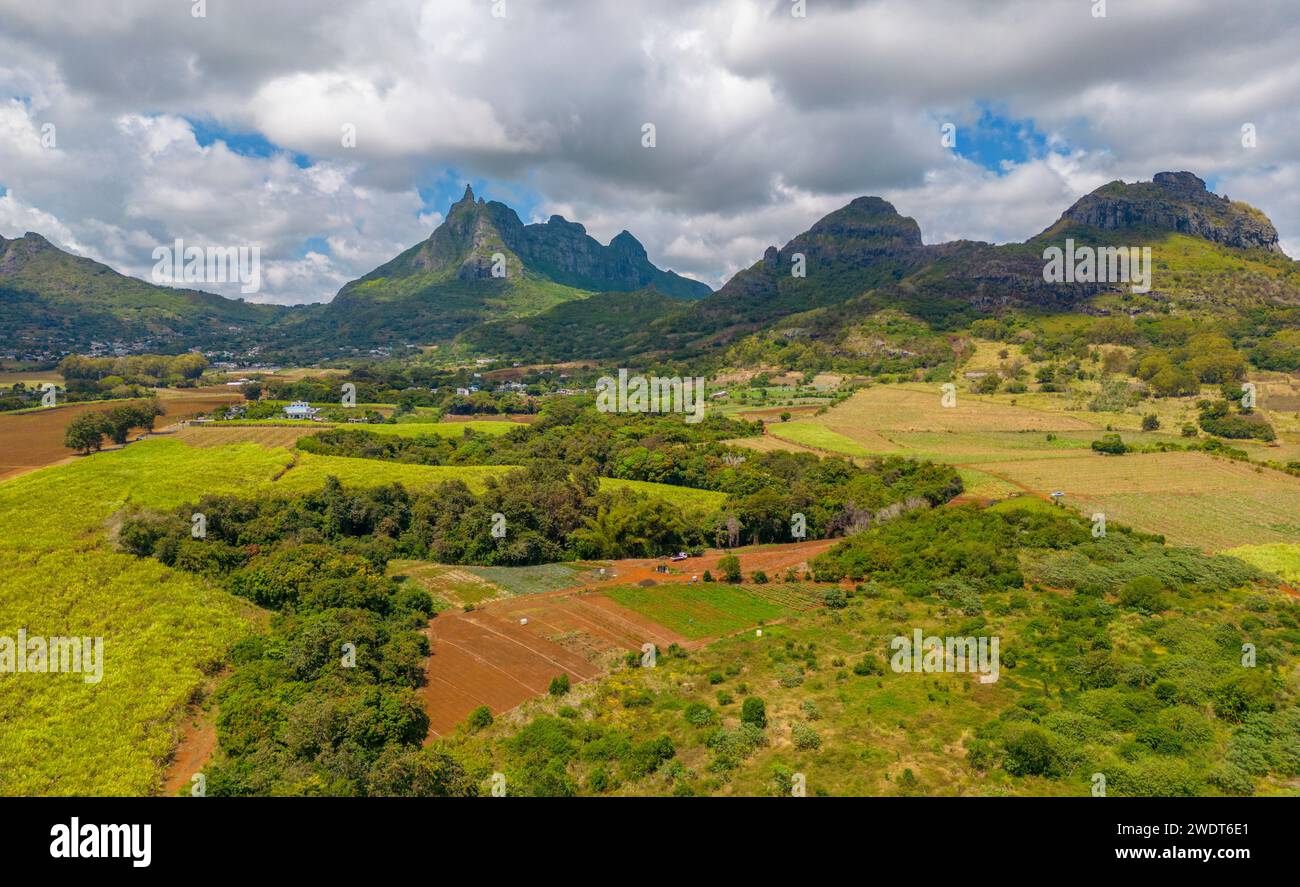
(300, 409)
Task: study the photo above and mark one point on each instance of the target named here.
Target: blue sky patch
(247, 144)
(995, 139)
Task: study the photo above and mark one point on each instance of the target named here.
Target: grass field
(682, 496)
(442, 429)
(1191, 498)
(64, 736)
(703, 610)
(818, 437)
(1282, 559)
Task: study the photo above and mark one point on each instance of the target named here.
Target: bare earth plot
(491, 656)
(34, 439)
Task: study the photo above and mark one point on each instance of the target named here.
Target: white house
(300, 409)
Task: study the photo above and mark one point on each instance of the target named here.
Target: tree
(1110, 444)
(479, 719)
(753, 711)
(86, 432)
(729, 567)
(1144, 594)
(559, 685)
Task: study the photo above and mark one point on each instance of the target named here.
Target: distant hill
(51, 299)
(482, 264)
(1209, 254)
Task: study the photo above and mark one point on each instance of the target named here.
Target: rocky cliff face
(1176, 202)
(15, 253)
(474, 231)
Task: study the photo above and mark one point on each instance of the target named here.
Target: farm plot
(262, 435)
(450, 586)
(442, 429)
(160, 628)
(918, 408)
(1191, 498)
(533, 580)
(702, 610)
(819, 437)
(310, 471)
(31, 439)
(506, 652)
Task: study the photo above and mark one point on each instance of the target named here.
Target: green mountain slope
(482, 264)
(52, 300)
(1208, 255)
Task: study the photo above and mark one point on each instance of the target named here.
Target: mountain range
(489, 284)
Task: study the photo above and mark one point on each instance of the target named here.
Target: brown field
(768, 444)
(1190, 498)
(35, 439)
(487, 657)
(918, 408)
(773, 414)
(32, 378)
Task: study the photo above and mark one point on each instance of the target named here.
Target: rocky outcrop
(475, 231)
(1176, 202)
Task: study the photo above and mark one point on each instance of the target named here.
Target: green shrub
(754, 712)
(479, 719)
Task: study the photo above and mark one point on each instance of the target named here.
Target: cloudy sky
(127, 125)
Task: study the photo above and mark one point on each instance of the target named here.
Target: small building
(300, 409)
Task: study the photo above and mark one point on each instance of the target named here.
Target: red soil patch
(487, 657)
(198, 742)
(34, 440)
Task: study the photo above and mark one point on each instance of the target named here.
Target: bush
(754, 712)
(559, 685)
(698, 714)
(759, 577)
(1031, 751)
(805, 737)
(1110, 444)
(1144, 594)
(1150, 422)
(479, 719)
(729, 567)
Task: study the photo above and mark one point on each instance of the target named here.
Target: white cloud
(765, 122)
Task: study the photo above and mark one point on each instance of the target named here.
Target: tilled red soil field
(32, 440)
(487, 657)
